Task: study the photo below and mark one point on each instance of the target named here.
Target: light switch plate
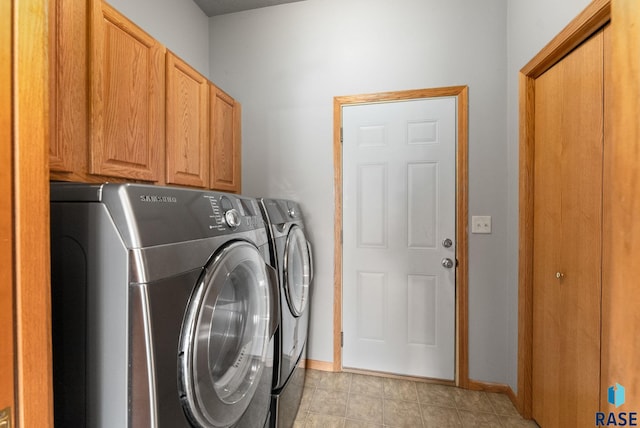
(481, 224)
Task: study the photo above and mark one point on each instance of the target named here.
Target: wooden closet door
(567, 238)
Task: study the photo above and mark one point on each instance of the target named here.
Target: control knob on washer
(232, 218)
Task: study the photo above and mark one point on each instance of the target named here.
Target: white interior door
(398, 208)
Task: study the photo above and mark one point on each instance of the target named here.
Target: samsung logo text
(158, 199)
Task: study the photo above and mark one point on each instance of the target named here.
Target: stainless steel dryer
(291, 255)
(164, 308)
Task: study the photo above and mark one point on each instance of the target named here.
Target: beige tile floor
(345, 400)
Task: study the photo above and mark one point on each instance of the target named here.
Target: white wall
(180, 25)
(286, 63)
(530, 26)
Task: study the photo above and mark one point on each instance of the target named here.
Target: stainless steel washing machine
(164, 308)
(291, 255)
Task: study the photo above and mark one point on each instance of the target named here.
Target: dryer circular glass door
(225, 337)
(297, 268)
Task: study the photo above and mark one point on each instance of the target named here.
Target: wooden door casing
(32, 322)
(621, 244)
(7, 283)
(462, 199)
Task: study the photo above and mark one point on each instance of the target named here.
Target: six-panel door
(399, 206)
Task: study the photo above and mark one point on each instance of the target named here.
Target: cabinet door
(187, 125)
(567, 238)
(68, 51)
(127, 98)
(225, 142)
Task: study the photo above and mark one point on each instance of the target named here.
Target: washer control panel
(232, 218)
(232, 213)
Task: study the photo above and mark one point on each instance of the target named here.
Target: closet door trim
(593, 18)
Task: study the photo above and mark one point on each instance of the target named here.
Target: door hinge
(341, 237)
(341, 136)
(342, 339)
(5, 418)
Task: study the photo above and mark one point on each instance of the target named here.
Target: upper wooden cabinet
(187, 125)
(123, 108)
(127, 82)
(225, 142)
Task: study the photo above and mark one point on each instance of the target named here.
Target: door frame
(26, 366)
(621, 240)
(462, 180)
(589, 21)
(7, 327)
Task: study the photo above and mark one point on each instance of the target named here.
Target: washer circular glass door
(297, 268)
(225, 337)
